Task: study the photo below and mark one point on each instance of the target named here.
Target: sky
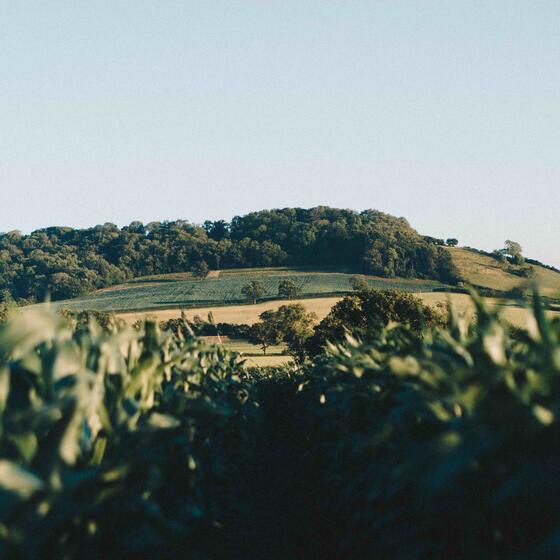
(444, 112)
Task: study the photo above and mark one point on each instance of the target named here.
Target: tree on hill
(514, 250)
(200, 269)
(288, 289)
(253, 291)
(452, 242)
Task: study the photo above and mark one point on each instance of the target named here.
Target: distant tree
(433, 240)
(217, 230)
(64, 285)
(200, 269)
(288, 289)
(452, 242)
(297, 327)
(514, 250)
(500, 256)
(253, 291)
(292, 324)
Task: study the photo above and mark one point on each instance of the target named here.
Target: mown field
(167, 292)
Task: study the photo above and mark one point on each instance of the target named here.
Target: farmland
(163, 292)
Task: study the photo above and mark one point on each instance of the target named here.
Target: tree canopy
(366, 313)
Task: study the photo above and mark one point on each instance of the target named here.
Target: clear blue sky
(445, 112)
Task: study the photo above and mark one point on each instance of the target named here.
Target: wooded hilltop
(66, 262)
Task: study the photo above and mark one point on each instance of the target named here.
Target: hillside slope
(176, 291)
(482, 270)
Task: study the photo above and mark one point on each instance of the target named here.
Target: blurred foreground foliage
(116, 442)
(123, 443)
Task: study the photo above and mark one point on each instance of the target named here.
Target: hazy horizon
(445, 114)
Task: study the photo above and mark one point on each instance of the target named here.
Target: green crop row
(227, 289)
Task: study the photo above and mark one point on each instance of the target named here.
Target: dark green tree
(366, 312)
(253, 291)
(288, 289)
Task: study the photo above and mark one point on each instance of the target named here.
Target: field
(481, 270)
(166, 296)
(174, 291)
(249, 314)
(239, 314)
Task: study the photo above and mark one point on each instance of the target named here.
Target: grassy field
(239, 314)
(249, 314)
(175, 291)
(509, 310)
(481, 270)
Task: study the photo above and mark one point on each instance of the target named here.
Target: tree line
(64, 262)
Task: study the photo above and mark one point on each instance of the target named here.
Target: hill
(182, 291)
(483, 270)
(67, 263)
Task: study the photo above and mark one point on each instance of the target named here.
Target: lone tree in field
(288, 289)
(291, 324)
(452, 242)
(253, 291)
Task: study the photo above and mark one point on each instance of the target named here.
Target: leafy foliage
(366, 312)
(422, 443)
(253, 291)
(116, 444)
(444, 446)
(288, 289)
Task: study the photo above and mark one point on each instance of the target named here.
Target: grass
(249, 349)
(509, 310)
(482, 270)
(239, 314)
